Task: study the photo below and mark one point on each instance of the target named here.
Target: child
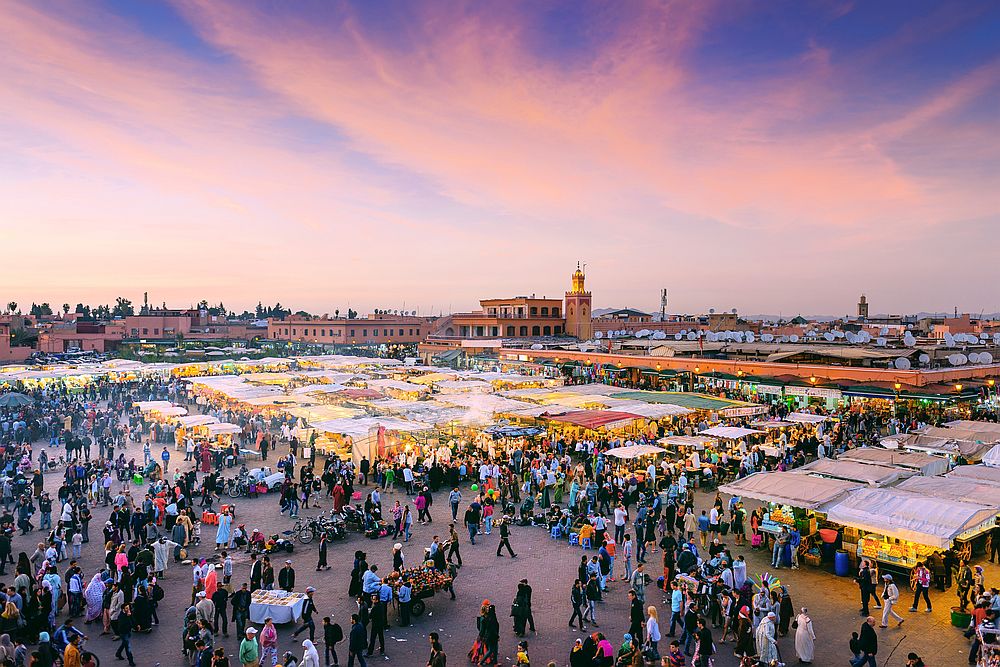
(522, 655)
(855, 645)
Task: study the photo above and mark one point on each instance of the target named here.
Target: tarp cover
(805, 418)
(925, 463)
(634, 451)
(992, 457)
(855, 471)
(729, 432)
(595, 418)
(979, 491)
(696, 441)
(790, 488)
(983, 472)
(934, 522)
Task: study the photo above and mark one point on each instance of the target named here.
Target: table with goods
(280, 606)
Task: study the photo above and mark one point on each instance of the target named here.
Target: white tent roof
(150, 406)
(696, 441)
(805, 418)
(979, 491)
(222, 427)
(934, 522)
(790, 488)
(648, 410)
(729, 432)
(992, 457)
(196, 420)
(981, 472)
(172, 411)
(925, 463)
(361, 426)
(855, 471)
(634, 451)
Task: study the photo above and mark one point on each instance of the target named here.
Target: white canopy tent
(924, 463)
(152, 406)
(695, 441)
(992, 457)
(634, 451)
(360, 426)
(934, 522)
(977, 491)
(221, 428)
(981, 472)
(855, 471)
(196, 420)
(790, 488)
(729, 432)
(805, 418)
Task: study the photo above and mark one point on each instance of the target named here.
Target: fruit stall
(424, 583)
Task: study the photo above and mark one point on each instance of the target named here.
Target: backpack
(337, 632)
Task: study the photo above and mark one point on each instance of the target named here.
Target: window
(385, 332)
(464, 331)
(156, 332)
(135, 332)
(571, 311)
(534, 311)
(418, 332)
(494, 331)
(523, 331)
(145, 331)
(555, 312)
(400, 332)
(293, 332)
(352, 333)
(557, 330)
(479, 331)
(286, 332)
(364, 333)
(583, 311)
(547, 331)
(535, 331)
(545, 311)
(510, 331)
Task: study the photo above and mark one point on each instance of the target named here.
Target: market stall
(978, 472)
(924, 464)
(901, 527)
(280, 606)
(853, 471)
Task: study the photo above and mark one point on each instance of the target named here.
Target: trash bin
(829, 550)
(959, 618)
(841, 563)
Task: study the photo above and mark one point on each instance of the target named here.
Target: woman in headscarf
(310, 656)
(478, 650)
(744, 633)
(46, 652)
(805, 638)
(491, 635)
(211, 582)
(785, 612)
(6, 645)
(767, 645)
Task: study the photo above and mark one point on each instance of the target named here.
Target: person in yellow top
(71, 655)
(586, 531)
(522, 655)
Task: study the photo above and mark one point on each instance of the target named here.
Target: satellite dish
(684, 332)
(750, 337)
(829, 336)
(850, 337)
(692, 336)
(985, 358)
(902, 363)
(598, 334)
(925, 359)
(949, 340)
(711, 311)
(880, 341)
(659, 335)
(909, 340)
(677, 336)
(767, 338)
(783, 339)
(794, 338)
(973, 357)
(884, 331)
(983, 336)
(962, 359)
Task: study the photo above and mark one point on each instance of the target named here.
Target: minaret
(577, 308)
(863, 308)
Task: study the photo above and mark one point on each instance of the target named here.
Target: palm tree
(12, 307)
(65, 309)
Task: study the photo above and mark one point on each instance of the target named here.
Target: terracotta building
(380, 328)
(578, 308)
(8, 352)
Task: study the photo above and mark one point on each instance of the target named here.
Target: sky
(766, 156)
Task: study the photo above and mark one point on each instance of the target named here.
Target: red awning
(594, 418)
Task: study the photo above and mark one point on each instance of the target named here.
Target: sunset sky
(768, 156)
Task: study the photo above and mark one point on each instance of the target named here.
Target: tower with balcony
(577, 308)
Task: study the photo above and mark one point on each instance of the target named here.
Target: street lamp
(896, 387)
(812, 379)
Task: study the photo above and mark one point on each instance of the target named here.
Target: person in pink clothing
(121, 559)
(268, 643)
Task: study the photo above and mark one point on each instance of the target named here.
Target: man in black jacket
(637, 620)
(577, 598)
(220, 598)
(505, 538)
(868, 643)
(241, 609)
(286, 577)
(308, 609)
(356, 643)
(864, 580)
(256, 574)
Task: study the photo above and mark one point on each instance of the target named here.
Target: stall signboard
(745, 412)
(818, 392)
(905, 554)
(769, 389)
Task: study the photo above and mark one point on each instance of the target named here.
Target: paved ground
(549, 565)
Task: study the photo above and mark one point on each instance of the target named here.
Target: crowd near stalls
(617, 472)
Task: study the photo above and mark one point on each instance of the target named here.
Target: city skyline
(783, 158)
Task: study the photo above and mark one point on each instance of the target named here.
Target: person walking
(454, 498)
(865, 586)
(890, 596)
(921, 584)
(653, 632)
(268, 644)
(332, 635)
(453, 545)
(805, 637)
(505, 538)
(867, 645)
(249, 650)
(308, 609)
(125, 634)
(578, 598)
(593, 590)
(357, 641)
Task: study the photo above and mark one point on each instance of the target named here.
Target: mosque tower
(577, 308)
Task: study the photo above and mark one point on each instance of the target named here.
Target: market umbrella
(15, 400)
